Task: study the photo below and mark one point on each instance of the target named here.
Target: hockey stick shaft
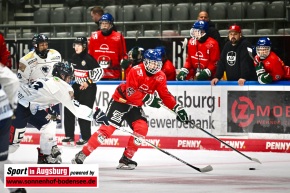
(250, 158)
(205, 169)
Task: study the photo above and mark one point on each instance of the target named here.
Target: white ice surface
(158, 172)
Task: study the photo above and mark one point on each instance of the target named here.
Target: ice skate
(67, 141)
(81, 142)
(79, 158)
(53, 158)
(126, 164)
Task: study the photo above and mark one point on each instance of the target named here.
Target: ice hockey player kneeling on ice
(127, 101)
(269, 67)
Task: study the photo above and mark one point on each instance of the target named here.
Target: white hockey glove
(96, 74)
(100, 117)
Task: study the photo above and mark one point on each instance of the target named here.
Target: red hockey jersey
(202, 55)
(138, 84)
(273, 65)
(108, 51)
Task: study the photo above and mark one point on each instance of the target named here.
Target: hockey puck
(252, 168)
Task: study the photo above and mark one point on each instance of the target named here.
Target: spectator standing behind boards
(86, 72)
(212, 31)
(203, 54)
(96, 13)
(5, 57)
(235, 59)
(167, 67)
(108, 47)
(269, 67)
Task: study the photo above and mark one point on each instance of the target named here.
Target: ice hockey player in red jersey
(203, 54)
(108, 47)
(126, 105)
(269, 67)
(167, 67)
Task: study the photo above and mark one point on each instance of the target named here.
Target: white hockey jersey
(46, 92)
(32, 67)
(9, 85)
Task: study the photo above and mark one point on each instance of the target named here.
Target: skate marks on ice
(157, 172)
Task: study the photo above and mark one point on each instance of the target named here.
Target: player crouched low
(34, 99)
(141, 84)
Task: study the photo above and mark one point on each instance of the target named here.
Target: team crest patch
(84, 63)
(45, 69)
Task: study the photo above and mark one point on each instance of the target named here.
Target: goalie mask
(106, 24)
(198, 29)
(136, 54)
(152, 61)
(63, 70)
(263, 47)
(40, 44)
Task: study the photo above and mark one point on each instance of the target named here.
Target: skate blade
(122, 166)
(68, 144)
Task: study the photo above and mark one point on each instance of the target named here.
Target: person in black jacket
(235, 59)
(212, 31)
(87, 72)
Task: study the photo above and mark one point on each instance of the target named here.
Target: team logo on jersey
(104, 47)
(231, 58)
(159, 78)
(34, 60)
(104, 61)
(95, 35)
(55, 58)
(84, 63)
(45, 69)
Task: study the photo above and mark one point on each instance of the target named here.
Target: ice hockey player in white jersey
(40, 95)
(39, 62)
(9, 85)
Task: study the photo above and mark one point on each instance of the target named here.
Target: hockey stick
(250, 158)
(250, 51)
(205, 169)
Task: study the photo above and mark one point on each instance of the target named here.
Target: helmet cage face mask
(196, 33)
(152, 66)
(63, 71)
(263, 51)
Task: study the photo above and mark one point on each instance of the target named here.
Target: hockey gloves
(263, 76)
(100, 117)
(125, 64)
(182, 74)
(152, 101)
(96, 74)
(53, 114)
(181, 113)
(203, 74)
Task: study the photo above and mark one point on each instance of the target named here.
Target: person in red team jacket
(4, 53)
(203, 54)
(269, 67)
(167, 67)
(126, 105)
(108, 47)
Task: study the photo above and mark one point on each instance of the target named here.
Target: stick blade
(250, 49)
(256, 160)
(206, 169)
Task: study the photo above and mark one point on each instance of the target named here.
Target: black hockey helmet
(62, 68)
(39, 38)
(81, 40)
(36, 40)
